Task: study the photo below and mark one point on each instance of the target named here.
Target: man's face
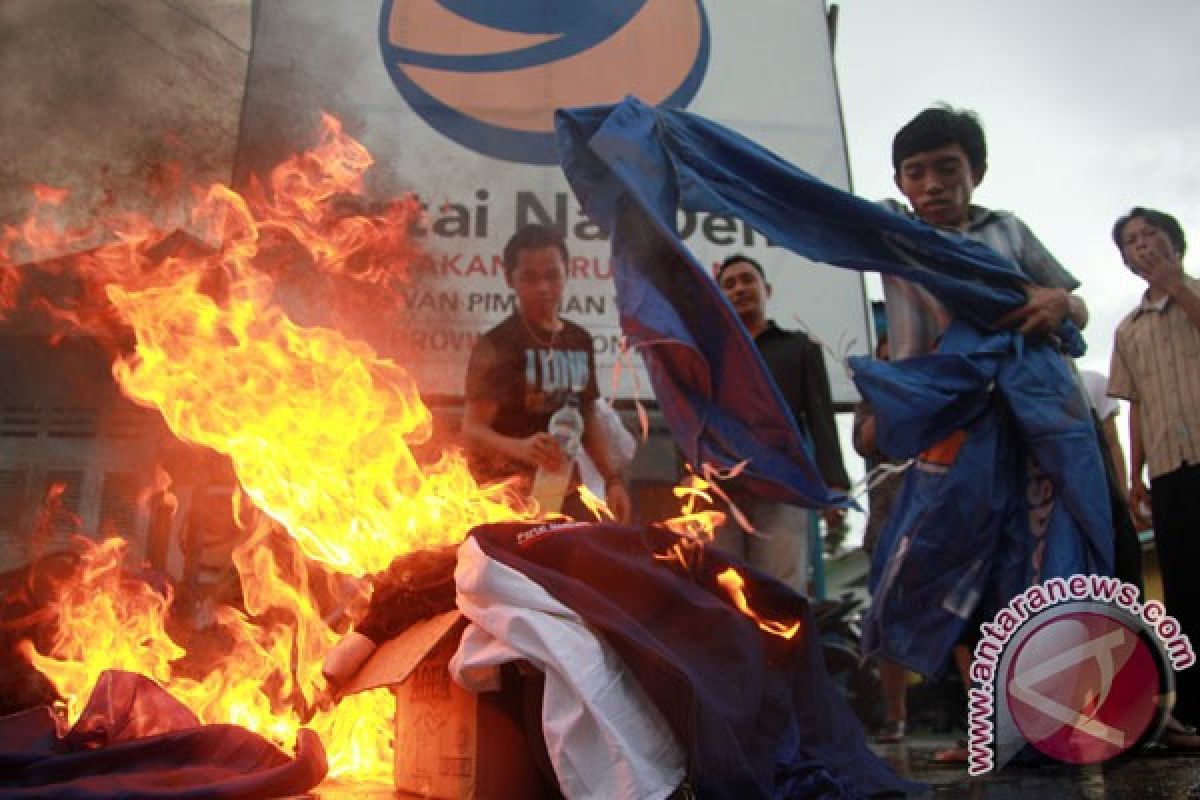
(746, 290)
(1138, 239)
(938, 184)
(538, 279)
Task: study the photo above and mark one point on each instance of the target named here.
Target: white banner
(454, 99)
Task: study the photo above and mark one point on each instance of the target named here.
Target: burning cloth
(133, 740)
(754, 712)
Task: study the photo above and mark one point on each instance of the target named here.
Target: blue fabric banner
(633, 167)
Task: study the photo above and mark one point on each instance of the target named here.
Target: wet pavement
(1154, 776)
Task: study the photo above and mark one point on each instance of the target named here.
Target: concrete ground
(1145, 777)
(1153, 776)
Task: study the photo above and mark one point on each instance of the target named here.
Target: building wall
(103, 96)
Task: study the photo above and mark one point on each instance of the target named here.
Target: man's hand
(834, 516)
(1139, 499)
(1044, 310)
(540, 450)
(616, 497)
(1160, 266)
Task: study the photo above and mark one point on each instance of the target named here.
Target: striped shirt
(916, 319)
(1156, 364)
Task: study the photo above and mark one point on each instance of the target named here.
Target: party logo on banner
(490, 75)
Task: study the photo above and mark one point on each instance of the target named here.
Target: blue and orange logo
(489, 74)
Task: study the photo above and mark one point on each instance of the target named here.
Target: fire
(318, 426)
(594, 504)
(735, 584)
(696, 523)
(106, 621)
(268, 680)
(696, 519)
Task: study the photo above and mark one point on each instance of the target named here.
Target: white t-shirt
(1096, 384)
(621, 446)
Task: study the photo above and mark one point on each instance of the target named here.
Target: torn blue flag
(633, 166)
(1007, 403)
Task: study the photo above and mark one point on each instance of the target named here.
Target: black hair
(1159, 219)
(939, 126)
(738, 258)
(532, 237)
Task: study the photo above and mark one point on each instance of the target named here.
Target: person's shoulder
(573, 330)
(497, 339)
(1123, 327)
(574, 327)
(793, 339)
(984, 217)
(773, 330)
(502, 330)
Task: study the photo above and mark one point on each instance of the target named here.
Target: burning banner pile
(317, 426)
(321, 432)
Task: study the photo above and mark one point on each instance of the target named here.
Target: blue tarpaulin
(633, 167)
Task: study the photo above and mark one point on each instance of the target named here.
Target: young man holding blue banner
(940, 157)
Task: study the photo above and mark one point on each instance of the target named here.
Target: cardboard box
(452, 744)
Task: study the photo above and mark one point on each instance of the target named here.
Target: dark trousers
(1175, 503)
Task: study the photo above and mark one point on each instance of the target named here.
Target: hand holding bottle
(552, 480)
(542, 450)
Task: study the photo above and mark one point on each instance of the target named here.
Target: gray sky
(1089, 108)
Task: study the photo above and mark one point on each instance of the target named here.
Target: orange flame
(319, 429)
(597, 507)
(696, 525)
(268, 677)
(735, 584)
(693, 521)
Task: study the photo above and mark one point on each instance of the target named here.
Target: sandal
(1179, 738)
(952, 756)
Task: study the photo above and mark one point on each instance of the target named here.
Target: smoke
(102, 97)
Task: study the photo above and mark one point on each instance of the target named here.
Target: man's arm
(539, 450)
(1189, 301)
(1049, 294)
(827, 449)
(597, 445)
(863, 435)
(1115, 450)
(1163, 270)
(1122, 384)
(1045, 309)
(1139, 495)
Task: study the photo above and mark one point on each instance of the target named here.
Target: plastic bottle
(550, 486)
